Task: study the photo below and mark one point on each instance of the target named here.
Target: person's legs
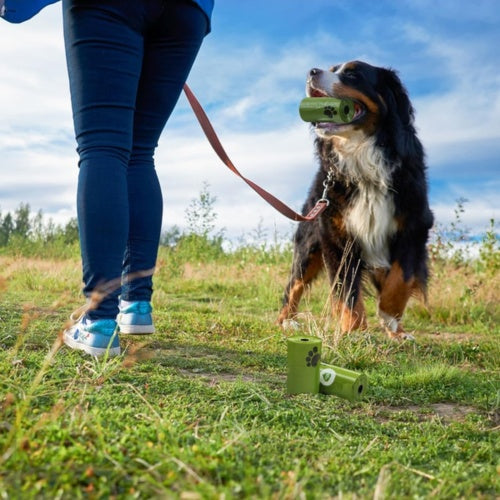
(172, 38)
(127, 62)
(104, 54)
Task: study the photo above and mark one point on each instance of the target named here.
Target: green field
(200, 410)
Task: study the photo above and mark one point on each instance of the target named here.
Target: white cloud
(281, 162)
(33, 85)
(468, 109)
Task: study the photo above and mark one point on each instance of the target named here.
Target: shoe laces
(93, 301)
(78, 313)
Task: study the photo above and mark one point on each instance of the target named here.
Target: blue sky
(250, 76)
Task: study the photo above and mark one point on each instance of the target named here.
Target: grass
(200, 410)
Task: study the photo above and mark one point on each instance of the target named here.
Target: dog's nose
(314, 72)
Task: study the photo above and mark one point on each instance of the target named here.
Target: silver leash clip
(328, 183)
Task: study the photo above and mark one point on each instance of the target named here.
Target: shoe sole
(93, 351)
(136, 329)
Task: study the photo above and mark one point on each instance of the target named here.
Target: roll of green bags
(341, 382)
(303, 361)
(326, 109)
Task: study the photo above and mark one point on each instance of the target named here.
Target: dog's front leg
(394, 292)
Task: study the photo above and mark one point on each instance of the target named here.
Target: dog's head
(381, 103)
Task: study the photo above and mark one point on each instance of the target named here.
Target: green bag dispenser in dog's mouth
(327, 109)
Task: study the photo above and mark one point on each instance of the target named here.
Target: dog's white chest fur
(370, 221)
(370, 217)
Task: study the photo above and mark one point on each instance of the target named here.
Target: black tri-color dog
(378, 219)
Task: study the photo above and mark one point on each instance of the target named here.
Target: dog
(372, 171)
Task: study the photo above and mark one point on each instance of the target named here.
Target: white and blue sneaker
(96, 337)
(135, 318)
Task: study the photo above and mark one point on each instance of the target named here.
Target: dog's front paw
(408, 336)
(290, 324)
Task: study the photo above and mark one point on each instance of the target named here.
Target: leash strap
(221, 153)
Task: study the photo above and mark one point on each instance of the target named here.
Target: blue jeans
(127, 62)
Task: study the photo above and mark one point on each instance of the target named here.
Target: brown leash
(221, 153)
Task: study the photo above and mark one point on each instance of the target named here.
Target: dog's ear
(400, 115)
(396, 97)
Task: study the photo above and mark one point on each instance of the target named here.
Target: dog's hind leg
(307, 264)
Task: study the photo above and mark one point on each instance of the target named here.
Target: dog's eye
(350, 73)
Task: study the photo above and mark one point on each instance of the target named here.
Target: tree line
(23, 224)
